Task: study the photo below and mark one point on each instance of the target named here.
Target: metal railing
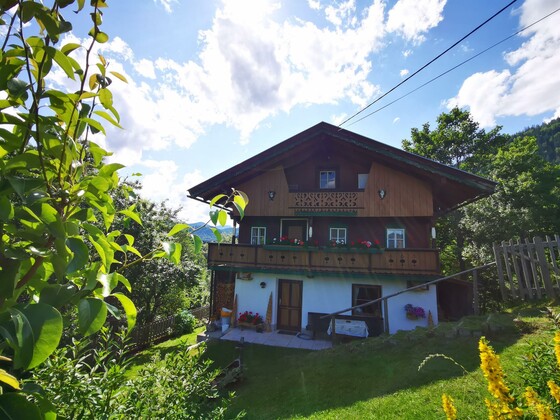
(384, 299)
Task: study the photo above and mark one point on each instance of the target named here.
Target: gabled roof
(451, 187)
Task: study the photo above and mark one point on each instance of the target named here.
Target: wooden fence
(144, 335)
(529, 270)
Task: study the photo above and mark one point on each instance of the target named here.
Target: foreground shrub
(88, 380)
(185, 323)
(177, 387)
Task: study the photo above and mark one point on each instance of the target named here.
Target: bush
(178, 387)
(88, 380)
(185, 322)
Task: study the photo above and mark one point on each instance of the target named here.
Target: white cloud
(407, 53)
(167, 4)
(396, 120)
(412, 18)
(145, 68)
(525, 87)
(404, 72)
(344, 12)
(161, 181)
(314, 4)
(482, 92)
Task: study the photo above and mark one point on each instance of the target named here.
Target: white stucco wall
(330, 295)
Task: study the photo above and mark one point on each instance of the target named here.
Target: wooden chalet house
(334, 220)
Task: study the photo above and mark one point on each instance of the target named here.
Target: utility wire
(428, 63)
(454, 67)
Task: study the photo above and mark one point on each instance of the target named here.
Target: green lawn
(162, 349)
(376, 378)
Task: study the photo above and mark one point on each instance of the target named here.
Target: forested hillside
(548, 139)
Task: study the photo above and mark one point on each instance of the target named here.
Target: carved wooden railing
(316, 260)
(327, 200)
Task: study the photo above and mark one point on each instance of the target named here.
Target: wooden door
(289, 305)
(294, 229)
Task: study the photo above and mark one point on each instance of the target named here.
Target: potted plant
(248, 319)
(414, 312)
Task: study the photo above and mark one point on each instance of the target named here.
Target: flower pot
(249, 326)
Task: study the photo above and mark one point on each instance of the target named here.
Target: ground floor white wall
(324, 294)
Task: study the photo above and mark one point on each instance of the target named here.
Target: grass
(162, 349)
(378, 378)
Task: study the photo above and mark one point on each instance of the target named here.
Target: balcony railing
(320, 260)
(324, 200)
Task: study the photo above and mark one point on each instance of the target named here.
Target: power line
(454, 67)
(428, 63)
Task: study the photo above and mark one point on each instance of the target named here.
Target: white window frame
(393, 241)
(258, 235)
(337, 234)
(330, 184)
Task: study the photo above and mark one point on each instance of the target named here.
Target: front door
(289, 305)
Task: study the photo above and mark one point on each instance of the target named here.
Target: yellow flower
(543, 411)
(554, 390)
(492, 369)
(557, 346)
(448, 407)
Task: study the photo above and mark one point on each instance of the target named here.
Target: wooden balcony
(326, 201)
(322, 260)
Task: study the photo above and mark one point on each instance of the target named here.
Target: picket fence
(529, 270)
(144, 335)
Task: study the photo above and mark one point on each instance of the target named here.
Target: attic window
(327, 180)
(362, 181)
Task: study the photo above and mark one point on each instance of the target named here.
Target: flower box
(246, 325)
(289, 247)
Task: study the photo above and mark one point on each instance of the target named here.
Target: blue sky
(212, 83)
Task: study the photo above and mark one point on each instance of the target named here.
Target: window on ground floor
(258, 235)
(363, 293)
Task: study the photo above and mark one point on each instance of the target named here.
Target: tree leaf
(178, 228)
(222, 217)
(92, 314)
(81, 254)
(105, 97)
(119, 76)
(94, 125)
(132, 214)
(7, 209)
(129, 309)
(99, 36)
(240, 209)
(197, 243)
(108, 281)
(38, 328)
(68, 48)
(217, 234)
(9, 379)
(62, 60)
(216, 199)
(15, 406)
(57, 295)
(109, 118)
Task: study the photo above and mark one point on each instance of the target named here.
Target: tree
(160, 287)
(525, 203)
(457, 141)
(54, 187)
